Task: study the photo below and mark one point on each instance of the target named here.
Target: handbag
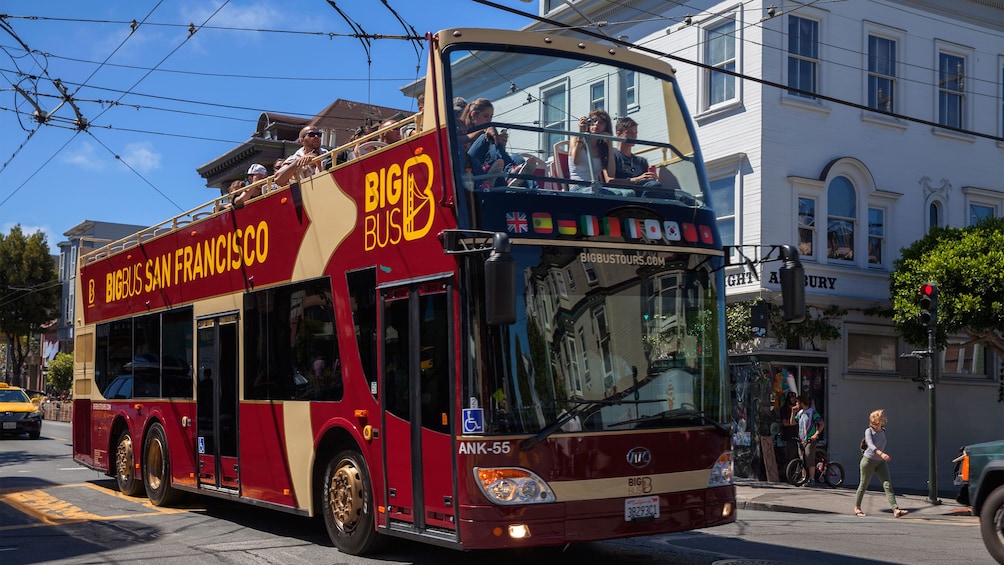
(864, 445)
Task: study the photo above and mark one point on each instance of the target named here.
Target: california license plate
(10, 425)
(642, 508)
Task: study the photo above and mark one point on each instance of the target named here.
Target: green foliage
(29, 290)
(60, 373)
(968, 265)
(819, 328)
(816, 329)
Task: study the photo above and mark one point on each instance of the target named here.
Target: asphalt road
(54, 511)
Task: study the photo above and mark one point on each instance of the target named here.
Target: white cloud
(141, 156)
(253, 15)
(85, 156)
(51, 237)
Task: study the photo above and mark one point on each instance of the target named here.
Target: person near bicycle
(810, 428)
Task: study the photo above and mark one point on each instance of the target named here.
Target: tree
(968, 265)
(60, 375)
(29, 292)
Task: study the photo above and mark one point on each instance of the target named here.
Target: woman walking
(874, 461)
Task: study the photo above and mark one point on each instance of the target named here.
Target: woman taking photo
(591, 159)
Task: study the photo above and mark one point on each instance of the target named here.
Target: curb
(754, 505)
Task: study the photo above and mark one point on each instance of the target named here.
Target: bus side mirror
(500, 283)
(792, 285)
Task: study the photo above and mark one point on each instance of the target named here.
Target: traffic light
(929, 304)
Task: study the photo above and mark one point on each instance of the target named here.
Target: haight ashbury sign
(749, 277)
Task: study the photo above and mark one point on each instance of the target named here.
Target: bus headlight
(721, 471)
(512, 485)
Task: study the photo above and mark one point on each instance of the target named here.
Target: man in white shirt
(304, 162)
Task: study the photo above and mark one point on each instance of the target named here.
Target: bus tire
(992, 523)
(157, 468)
(125, 461)
(347, 504)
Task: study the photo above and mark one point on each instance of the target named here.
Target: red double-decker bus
(434, 340)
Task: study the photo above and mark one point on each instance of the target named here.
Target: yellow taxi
(18, 414)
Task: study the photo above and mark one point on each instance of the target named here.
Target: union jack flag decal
(516, 222)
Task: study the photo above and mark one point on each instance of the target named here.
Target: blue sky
(149, 130)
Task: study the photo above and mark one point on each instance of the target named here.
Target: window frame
(814, 60)
(872, 99)
(871, 333)
(965, 110)
(707, 31)
(975, 196)
(602, 84)
(881, 237)
(546, 91)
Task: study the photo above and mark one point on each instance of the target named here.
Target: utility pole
(929, 317)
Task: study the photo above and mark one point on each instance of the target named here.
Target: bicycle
(826, 470)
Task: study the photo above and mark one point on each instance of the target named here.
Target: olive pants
(878, 467)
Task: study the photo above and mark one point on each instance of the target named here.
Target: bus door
(416, 376)
(216, 402)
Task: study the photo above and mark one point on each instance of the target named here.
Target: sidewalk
(820, 499)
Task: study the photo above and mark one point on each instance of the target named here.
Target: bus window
(290, 343)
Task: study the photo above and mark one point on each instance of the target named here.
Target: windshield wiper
(676, 415)
(583, 406)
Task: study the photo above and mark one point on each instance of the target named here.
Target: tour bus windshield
(537, 121)
(603, 340)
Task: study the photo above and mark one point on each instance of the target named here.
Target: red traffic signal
(929, 304)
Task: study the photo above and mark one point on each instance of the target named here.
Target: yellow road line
(50, 511)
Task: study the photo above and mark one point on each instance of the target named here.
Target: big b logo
(398, 202)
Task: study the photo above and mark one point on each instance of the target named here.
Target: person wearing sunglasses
(304, 162)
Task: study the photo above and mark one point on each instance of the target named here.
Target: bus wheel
(157, 467)
(124, 463)
(348, 504)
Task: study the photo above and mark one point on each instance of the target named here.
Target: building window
(876, 235)
(1002, 100)
(841, 219)
(723, 202)
(979, 212)
(554, 108)
(630, 89)
(806, 226)
(803, 56)
(559, 280)
(590, 270)
(934, 215)
(597, 96)
(951, 90)
(881, 73)
(870, 352)
(720, 53)
(964, 359)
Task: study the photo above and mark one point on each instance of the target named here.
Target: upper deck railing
(368, 143)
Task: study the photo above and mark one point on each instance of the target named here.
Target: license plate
(10, 425)
(643, 508)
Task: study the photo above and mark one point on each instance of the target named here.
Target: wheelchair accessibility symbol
(474, 420)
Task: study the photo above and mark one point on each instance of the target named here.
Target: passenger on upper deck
(630, 167)
(487, 152)
(303, 163)
(598, 151)
(255, 173)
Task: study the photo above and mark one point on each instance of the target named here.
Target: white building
(855, 127)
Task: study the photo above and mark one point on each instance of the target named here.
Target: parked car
(980, 476)
(18, 414)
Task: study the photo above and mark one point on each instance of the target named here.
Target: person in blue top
(875, 460)
(810, 429)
